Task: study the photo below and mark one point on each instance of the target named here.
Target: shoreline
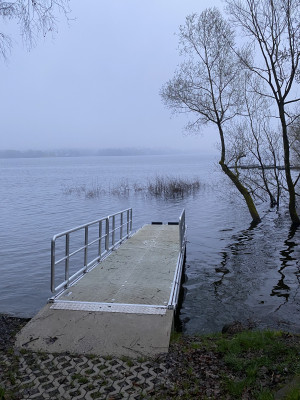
(197, 366)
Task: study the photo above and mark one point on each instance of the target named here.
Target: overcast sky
(96, 83)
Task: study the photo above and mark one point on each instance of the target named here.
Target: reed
(171, 187)
(165, 187)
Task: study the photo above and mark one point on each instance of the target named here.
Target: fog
(95, 83)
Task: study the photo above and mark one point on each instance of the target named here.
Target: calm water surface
(232, 271)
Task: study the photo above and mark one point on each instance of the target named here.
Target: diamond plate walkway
(121, 307)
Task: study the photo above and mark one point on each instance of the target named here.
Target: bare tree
(34, 18)
(209, 82)
(273, 27)
(294, 135)
(252, 136)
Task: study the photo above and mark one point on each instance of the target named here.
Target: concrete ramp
(101, 333)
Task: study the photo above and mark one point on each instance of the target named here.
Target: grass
(80, 378)
(175, 336)
(255, 355)
(266, 350)
(294, 394)
(165, 187)
(2, 393)
(250, 364)
(127, 360)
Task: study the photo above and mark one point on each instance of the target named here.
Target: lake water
(233, 272)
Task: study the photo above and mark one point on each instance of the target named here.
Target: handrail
(173, 299)
(108, 228)
(182, 229)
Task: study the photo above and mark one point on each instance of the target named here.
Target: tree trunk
(240, 187)
(292, 196)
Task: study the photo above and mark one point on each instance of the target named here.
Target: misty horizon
(72, 152)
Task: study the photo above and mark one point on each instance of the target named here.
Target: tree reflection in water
(287, 259)
(258, 276)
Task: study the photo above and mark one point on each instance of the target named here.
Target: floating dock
(123, 301)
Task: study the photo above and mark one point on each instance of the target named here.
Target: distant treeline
(81, 153)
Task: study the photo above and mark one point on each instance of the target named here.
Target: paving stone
(49, 376)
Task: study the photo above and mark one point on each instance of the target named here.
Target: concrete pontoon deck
(124, 305)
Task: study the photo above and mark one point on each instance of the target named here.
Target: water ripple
(232, 272)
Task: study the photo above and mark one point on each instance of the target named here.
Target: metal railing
(182, 230)
(111, 231)
(173, 300)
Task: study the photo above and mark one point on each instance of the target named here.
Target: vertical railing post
(53, 265)
(130, 220)
(121, 227)
(107, 234)
(180, 232)
(113, 230)
(100, 239)
(67, 260)
(181, 229)
(86, 242)
(127, 223)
